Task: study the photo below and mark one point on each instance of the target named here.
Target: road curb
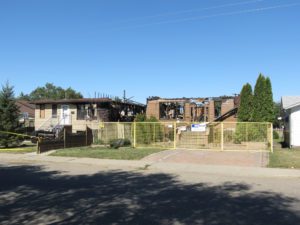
(234, 171)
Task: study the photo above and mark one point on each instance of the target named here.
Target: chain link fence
(215, 136)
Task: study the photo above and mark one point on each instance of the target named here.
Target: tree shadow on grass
(30, 195)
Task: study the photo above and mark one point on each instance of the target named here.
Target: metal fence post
(272, 147)
(247, 138)
(86, 135)
(154, 133)
(134, 134)
(222, 136)
(175, 127)
(38, 145)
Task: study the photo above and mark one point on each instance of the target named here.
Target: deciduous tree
(50, 91)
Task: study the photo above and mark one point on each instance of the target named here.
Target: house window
(42, 111)
(90, 112)
(54, 111)
(81, 112)
(85, 112)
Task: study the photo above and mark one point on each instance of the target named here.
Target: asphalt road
(53, 190)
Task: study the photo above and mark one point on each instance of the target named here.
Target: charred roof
(84, 101)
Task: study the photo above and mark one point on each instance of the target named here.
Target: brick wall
(228, 105)
(211, 111)
(153, 109)
(187, 112)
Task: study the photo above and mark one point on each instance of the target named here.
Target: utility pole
(124, 96)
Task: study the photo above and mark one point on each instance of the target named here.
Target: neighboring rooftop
(26, 107)
(290, 101)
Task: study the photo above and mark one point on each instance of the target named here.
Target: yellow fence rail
(172, 135)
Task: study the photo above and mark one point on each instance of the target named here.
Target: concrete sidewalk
(207, 157)
(153, 166)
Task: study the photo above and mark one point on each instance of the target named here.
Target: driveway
(234, 158)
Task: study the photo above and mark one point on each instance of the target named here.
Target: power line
(193, 10)
(247, 11)
(231, 13)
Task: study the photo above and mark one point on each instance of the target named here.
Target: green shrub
(257, 133)
(275, 135)
(117, 143)
(228, 135)
(251, 132)
(148, 132)
(127, 142)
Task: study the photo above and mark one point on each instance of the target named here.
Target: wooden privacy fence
(69, 140)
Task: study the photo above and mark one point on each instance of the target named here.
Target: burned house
(193, 109)
(77, 114)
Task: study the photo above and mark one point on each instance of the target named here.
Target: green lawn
(21, 149)
(285, 158)
(107, 153)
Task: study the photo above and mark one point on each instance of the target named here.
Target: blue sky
(169, 48)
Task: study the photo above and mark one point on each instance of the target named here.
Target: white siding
(295, 126)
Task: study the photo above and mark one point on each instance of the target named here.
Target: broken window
(171, 110)
(90, 112)
(217, 106)
(81, 112)
(85, 112)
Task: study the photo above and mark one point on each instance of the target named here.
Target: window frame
(54, 109)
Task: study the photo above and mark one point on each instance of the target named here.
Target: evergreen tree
(245, 109)
(23, 96)
(263, 105)
(269, 113)
(9, 116)
(259, 99)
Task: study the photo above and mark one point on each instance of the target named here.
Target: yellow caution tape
(17, 134)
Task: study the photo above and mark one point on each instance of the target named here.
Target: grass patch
(20, 149)
(107, 153)
(285, 158)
